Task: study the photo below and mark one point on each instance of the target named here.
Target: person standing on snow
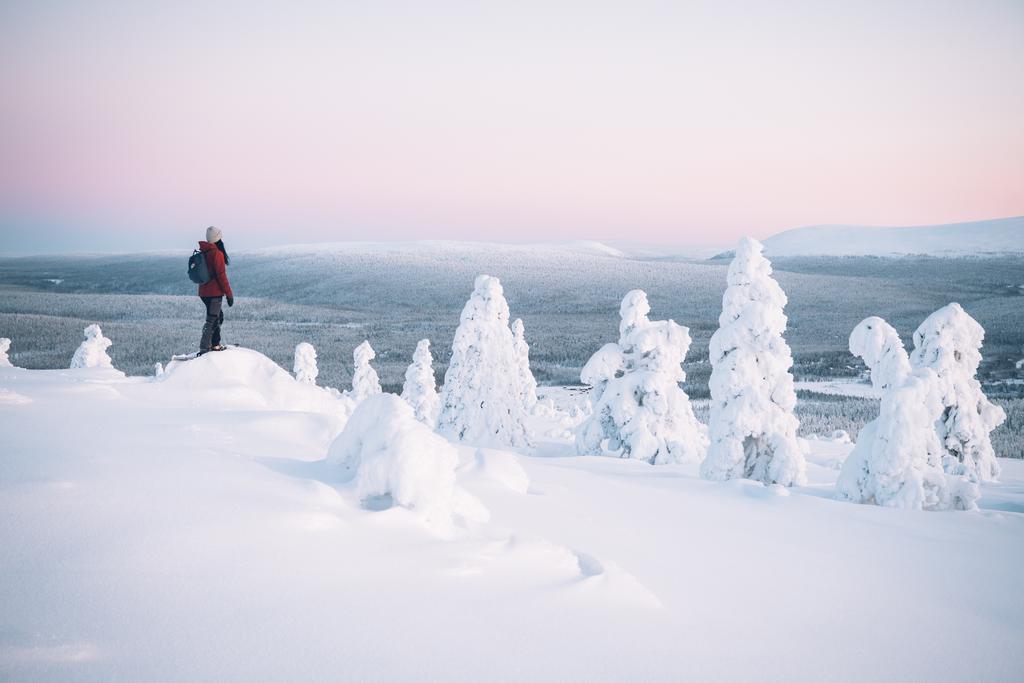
(213, 292)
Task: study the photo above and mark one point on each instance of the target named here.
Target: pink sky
(134, 125)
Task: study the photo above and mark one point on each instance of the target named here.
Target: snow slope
(188, 528)
(1004, 235)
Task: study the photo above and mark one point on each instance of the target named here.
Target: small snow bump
(589, 565)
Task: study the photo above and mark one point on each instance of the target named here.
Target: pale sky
(132, 125)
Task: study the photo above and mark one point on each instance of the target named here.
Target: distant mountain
(1004, 235)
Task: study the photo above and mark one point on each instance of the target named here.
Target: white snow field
(189, 527)
(998, 236)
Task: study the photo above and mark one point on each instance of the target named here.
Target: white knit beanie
(213, 234)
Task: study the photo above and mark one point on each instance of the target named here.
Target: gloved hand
(231, 301)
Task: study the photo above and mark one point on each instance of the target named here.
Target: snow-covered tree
(640, 409)
(879, 345)
(304, 368)
(365, 382)
(158, 370)
(5, 345)
(480, 400)
(93, 351)
(752, 425)
(420, 388)
(897, 461)
(949, 342)
(527, 382)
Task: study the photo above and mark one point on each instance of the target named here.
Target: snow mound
(1004, 235)
(499, 467)
(395, 459)
(521, 560)
(243, 379)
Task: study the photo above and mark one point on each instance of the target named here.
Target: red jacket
(218, 284)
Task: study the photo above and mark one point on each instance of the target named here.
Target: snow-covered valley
(188, 527)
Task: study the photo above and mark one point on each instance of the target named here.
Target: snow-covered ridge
(1004, 235)
(589, 247)
(639, 251)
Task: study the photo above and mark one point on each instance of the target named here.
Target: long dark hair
(220, 245)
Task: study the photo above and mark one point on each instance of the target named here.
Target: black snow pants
(214, 318)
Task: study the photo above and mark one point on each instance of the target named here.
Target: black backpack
(197, 269)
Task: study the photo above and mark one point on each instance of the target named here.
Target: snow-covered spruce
(527, 382)
(949, 342)
(365, 382)
(420, 387)
(304, 367)
(480, 400)
(897, 460)
(5, 346)
(878, 344)
(640, 409)
(93, 351)
(396, 459)
(752, 425)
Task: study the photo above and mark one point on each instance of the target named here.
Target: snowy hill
(190, 527)
(590, 248)
(447, 247)
(956, 239)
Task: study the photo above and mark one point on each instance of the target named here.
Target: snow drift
(395, 459)
(246, 379)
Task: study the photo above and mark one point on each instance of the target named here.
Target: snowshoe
(196, 354)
